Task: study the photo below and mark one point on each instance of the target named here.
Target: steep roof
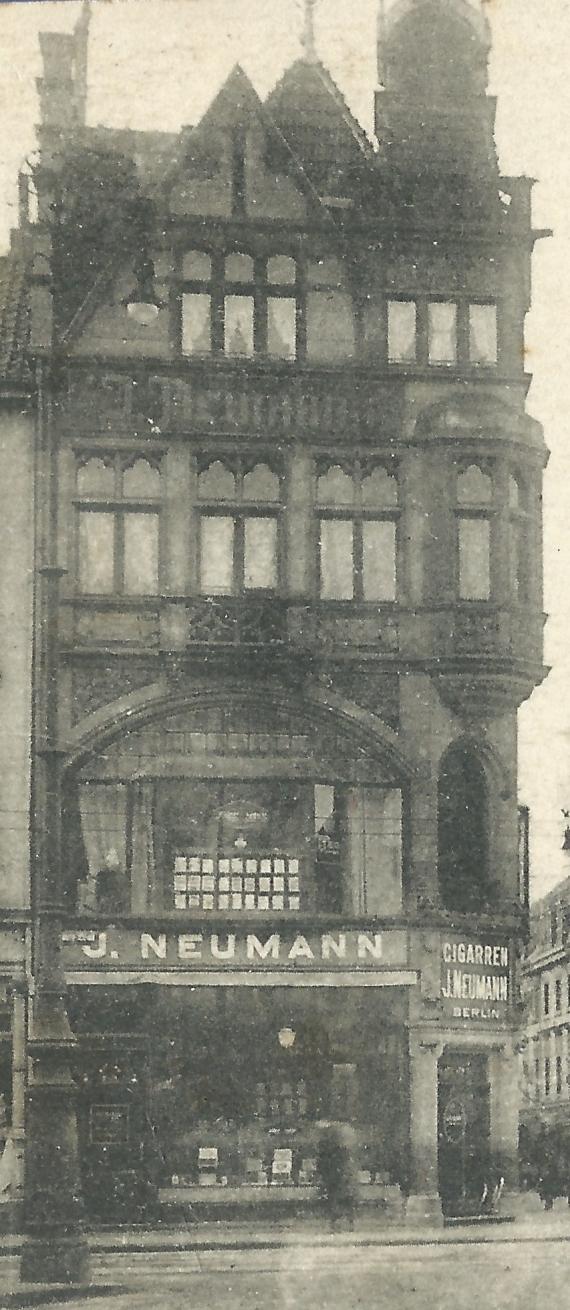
(306, 93)
(14, 317)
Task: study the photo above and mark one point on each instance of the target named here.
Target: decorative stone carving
(96, 685)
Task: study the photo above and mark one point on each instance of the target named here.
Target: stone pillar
(19, 1080)
(424, 1204)
(504, 1108)
(300, 545)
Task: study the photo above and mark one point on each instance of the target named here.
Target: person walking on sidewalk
(336, 1173)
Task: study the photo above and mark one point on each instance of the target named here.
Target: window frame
(483, 511)
(239, 510)
(118, 506)
(262, 289)
(357, 515)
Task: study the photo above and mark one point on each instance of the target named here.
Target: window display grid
(264, 883)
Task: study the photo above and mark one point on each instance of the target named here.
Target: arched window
(463, 829)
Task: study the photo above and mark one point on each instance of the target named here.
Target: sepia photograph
(284, 654)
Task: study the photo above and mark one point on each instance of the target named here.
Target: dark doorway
(463, 1131)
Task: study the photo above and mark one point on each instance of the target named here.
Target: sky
(158, 63)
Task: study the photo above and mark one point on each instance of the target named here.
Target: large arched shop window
(463, 829)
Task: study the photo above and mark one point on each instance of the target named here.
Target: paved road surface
(507, 1275)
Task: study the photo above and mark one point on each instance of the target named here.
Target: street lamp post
(55, 1248)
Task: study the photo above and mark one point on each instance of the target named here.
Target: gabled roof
(14, 321)
(306, 88)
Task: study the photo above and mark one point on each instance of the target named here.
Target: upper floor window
(546, 998)
(357, 510)
(474, 508)
(239, 528)
(558, 995)
(238, 306)
(118, 506)
(483, 343)
(442, 332)
(402, 315)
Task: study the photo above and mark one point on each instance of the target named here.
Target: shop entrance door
(115, 1133)
(463, 1131)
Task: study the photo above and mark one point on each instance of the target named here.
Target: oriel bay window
(357, 510)
(239, 528)
(118, 509)
(474, 514)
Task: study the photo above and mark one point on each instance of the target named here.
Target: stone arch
(472, 783)
(322, 708)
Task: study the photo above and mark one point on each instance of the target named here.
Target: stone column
(299, 527)
(424, 1204)
(504, 1108)
(19, 1080)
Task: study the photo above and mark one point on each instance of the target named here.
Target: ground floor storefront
(201, 1097)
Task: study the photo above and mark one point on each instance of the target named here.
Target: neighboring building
(284, 460)
(545, 986)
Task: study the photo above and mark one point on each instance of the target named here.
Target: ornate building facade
(288, 600)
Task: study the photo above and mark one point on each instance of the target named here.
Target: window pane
(239, 268)
(336, 579)
(216, 554)
(474, 487)
(514, 493)
(379, 560)
(382, 823)
(96, 552)
(474, 559)
(96, 478)
(379, 489)
(483, 334)
(141, 479)
(261, 483)
(281, 270)
(238, 325)
(442, 332)
(217, 482)
(196, 324)
(335, 487)
(140, 554)
(260, 552)
(330, 326)
(401, 331)
(282, 327)
(196, 266)
(517, 559)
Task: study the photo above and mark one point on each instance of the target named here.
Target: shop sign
(124, 947)
(475, 978)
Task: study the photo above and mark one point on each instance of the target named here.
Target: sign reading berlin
(475, 979)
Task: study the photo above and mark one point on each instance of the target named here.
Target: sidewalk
(539, 1227)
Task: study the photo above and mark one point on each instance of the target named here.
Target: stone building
(288, 595)
(545, 987)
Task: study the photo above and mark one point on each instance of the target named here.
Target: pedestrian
(336, 1173)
